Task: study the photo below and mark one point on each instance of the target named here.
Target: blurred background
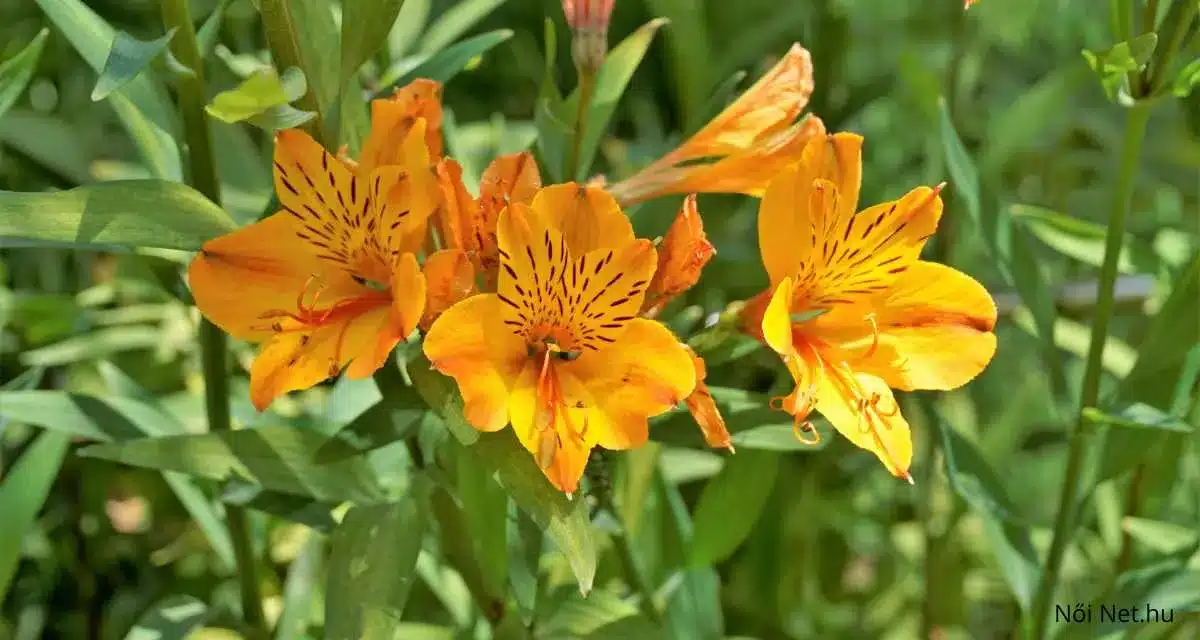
(832, 545)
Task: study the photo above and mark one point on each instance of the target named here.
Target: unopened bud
(588, 20)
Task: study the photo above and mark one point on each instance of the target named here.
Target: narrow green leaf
(365, 26)
(22, 492)
(115, 213)
(172, 618)
(742, 487)
(485, 509)
(126, 59)
(302, 577)
(392, 417)
(17, 71)
(278, 458)
(111, 418)
(408, 27)
(963, 173)
(142, 105)
(207, 34)
(1160, 357)
(372, 567)
(1164, 537)
(445, 64)
(611, 81)
(303, 510)
(1138, 416)
(455, 22)
(568, 615)
(1188, 78)
(1079, 239)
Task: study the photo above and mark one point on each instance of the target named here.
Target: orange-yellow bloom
(684, 252)
(331, 280)
(853, 310)
(393, 118)
(704, 409)
(741, 149)
(558, 351)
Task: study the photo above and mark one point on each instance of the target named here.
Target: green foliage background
(98, 345)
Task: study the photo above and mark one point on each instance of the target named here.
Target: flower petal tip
(908, 476)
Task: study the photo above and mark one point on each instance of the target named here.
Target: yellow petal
(470, 344)
(704, 409)
(795, 218)
(560, 452)
(265, 266)
(393, 118)
(298, 360)
(589, 218)
(777, 320)
(643, 374)
(879, 429)
(684, 252)
(509, 179)
(408, 301)
(935, 330)
(450, 277)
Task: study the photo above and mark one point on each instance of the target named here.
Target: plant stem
(285, 51)
(628, 558)
(586, 81)
(1179, 19)
(1064, 522)
(202, 171)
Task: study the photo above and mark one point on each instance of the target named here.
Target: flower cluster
(540, 301)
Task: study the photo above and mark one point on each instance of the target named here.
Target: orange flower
(684, 252)
(329, 281)
(558, 351)
(853, 310)
(741, 149)
(704, 409)
(392, 118)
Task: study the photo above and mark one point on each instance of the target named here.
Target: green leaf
(277, 458)
(742, 487)
(392, 417)
(1160, 358)
(1164, 537)
(111, 418)
(22, 492)
(1079, 239)
(963, 173)
(611, 81)
(455, 22)
(485, 509)
(1188, 78)
(1114, 65)
(263, 100)
(17, 71)
(172, 618)
(126, 59)
(568, 615)
(302, 577)
(974, 480)
(365, 26)
(445, 64)
(372, 566)
(1138, 416)
(293, 508)
(315, 35)
(207, 34)
(409, 25)
(1023, 124)
(142, 105)
(133, 213)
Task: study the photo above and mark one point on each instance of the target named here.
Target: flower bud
(588, 20)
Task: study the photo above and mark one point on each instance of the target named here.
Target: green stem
(285, 51)
(1179, 19)
(628, 558)
(1065, 521)
(586, 81)
(202, 171)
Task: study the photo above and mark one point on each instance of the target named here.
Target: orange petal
(684, 252)
(879, 429)
(450, 277)
(238, 277)
(589, 218)
(794, 219)
(470, 343)
(454, 216)
(298, 360)
(704, 410)
(392, 119)
(935, 330)
(560, 451)
(509, 179)
(407, 286)
(643, 374)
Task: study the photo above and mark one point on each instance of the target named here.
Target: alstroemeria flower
(853, 310)
(331, 280)
(558, 351)
(741, 149)
(392, 118)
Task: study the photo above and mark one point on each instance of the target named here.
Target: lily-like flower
(741, 149)
(331, 281)
(853, 311)
(559, 351)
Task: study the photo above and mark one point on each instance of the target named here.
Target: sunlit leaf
(277, 458)
(126, 59)
(17, 71)
(455, 22)
(1163, 537)
(445, 64)
(115, 214)
(262, 99)
(1138, 416)
(372, 566)
(1188, 78)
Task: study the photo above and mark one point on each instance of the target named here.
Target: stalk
(1065, 521)
(586, 81)
(202, 171)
